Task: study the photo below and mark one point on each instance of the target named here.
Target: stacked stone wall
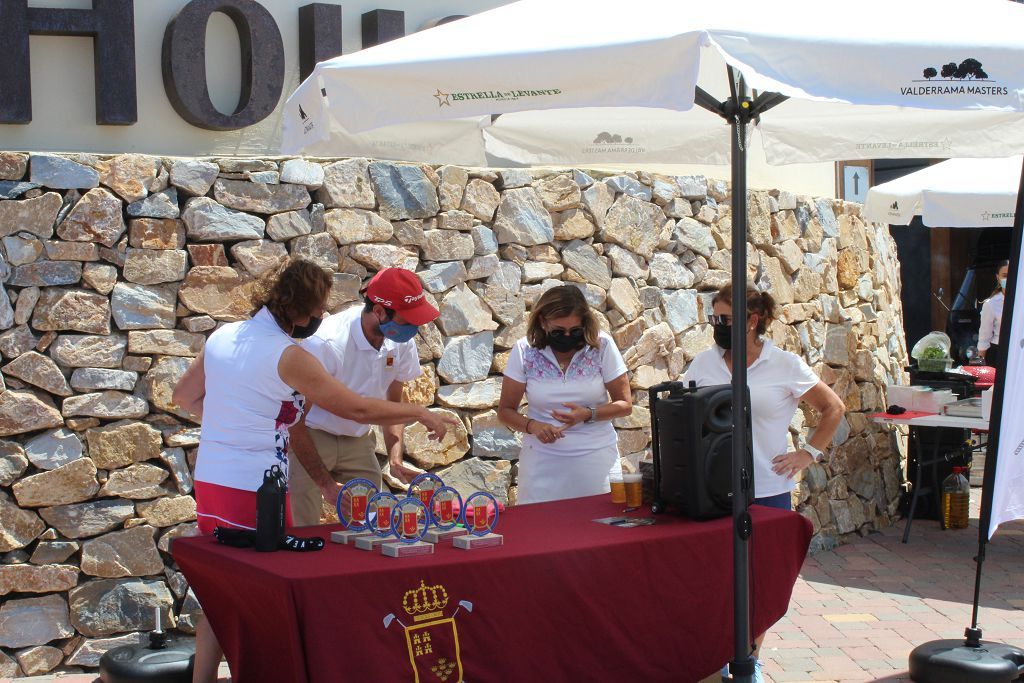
(115, 269)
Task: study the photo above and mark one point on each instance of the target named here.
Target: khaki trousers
(345, 457)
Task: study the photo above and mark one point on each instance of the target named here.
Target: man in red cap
(371, 350)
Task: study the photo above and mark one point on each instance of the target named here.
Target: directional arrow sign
(855, 183)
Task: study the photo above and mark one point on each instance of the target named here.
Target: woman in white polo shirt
(778, 381)
(249, 385)
(991, 316)
(575, 383)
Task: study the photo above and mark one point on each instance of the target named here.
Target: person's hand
(545, 432)
(330, 492)
(982, 353)
(790, 463)
(437, 424)
(401, 472)
(572, 416)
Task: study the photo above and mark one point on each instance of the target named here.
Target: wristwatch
(815, 453)
(593, 415)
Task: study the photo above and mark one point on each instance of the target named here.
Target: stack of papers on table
(968, 407)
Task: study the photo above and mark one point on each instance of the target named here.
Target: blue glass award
(351, 507)
(378, 520)
(445, 515)
(481, 518)
(409, 523)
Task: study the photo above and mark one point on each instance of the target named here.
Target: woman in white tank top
(252, 382)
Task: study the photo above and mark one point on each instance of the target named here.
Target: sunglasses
(559, 332)
(720, 319)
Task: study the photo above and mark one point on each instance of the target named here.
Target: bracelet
(526, 429)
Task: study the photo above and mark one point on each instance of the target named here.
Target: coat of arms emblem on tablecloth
(432, 638)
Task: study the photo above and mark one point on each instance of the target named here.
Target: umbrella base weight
(950, 661)
(407, 549)
(141, 664)
(476, 542)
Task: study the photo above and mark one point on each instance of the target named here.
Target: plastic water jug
(956, 500)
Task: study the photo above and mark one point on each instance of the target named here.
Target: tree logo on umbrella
(969, 69)
(605, 141)
(955, 78)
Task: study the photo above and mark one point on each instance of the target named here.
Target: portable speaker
(692, 446)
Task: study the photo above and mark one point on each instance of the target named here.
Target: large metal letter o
(184, 63)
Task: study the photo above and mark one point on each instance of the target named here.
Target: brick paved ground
(859, 610)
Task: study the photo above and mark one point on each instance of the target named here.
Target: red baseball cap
(400, 290)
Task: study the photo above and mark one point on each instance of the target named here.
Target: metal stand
(973, 660)
(741, 109)
(931, 464)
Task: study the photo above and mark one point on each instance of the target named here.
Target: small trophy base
(407, 549)
(372, 542)
(349, 535)
(436, 535)
(469, 542)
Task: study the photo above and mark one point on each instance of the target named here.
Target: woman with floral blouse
(575, 384)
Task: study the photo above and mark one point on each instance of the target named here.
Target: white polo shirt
(248, 408)
(777, 380)
(583, 383)
(991, 316)
(345, 352)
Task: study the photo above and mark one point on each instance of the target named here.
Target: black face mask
(562, 341)
(307, 330)
(723, 336)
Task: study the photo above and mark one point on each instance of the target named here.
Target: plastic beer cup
(618, 489)
(634, 484)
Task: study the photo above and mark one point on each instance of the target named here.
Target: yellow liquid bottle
(956, 500)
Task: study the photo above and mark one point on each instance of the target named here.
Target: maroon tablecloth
(565, 599)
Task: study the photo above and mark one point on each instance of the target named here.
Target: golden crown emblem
(425, 599)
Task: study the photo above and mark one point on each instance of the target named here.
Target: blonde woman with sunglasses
(575, 384)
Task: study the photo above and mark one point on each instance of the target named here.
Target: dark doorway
(914, 250)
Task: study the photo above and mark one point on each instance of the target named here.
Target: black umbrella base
(950, 661)
(172, 663)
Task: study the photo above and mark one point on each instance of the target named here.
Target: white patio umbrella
(958, 193)
(583, 69)
(887, 79)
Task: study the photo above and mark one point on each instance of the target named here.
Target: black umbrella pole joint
(742, 666)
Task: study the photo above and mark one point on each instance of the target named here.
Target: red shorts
(232, 508)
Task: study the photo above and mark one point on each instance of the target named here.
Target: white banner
(1008, 490)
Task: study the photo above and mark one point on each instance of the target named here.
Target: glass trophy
(445, 515)
(351, 506)
(410, 521)
(424, 486)
(481, 519)
(378, 519)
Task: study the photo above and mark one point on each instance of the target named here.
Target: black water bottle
(270, 511)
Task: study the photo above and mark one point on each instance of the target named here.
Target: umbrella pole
(737, 109)
(971, 659)
(973, 633)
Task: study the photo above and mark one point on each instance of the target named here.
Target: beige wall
(63, 90)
